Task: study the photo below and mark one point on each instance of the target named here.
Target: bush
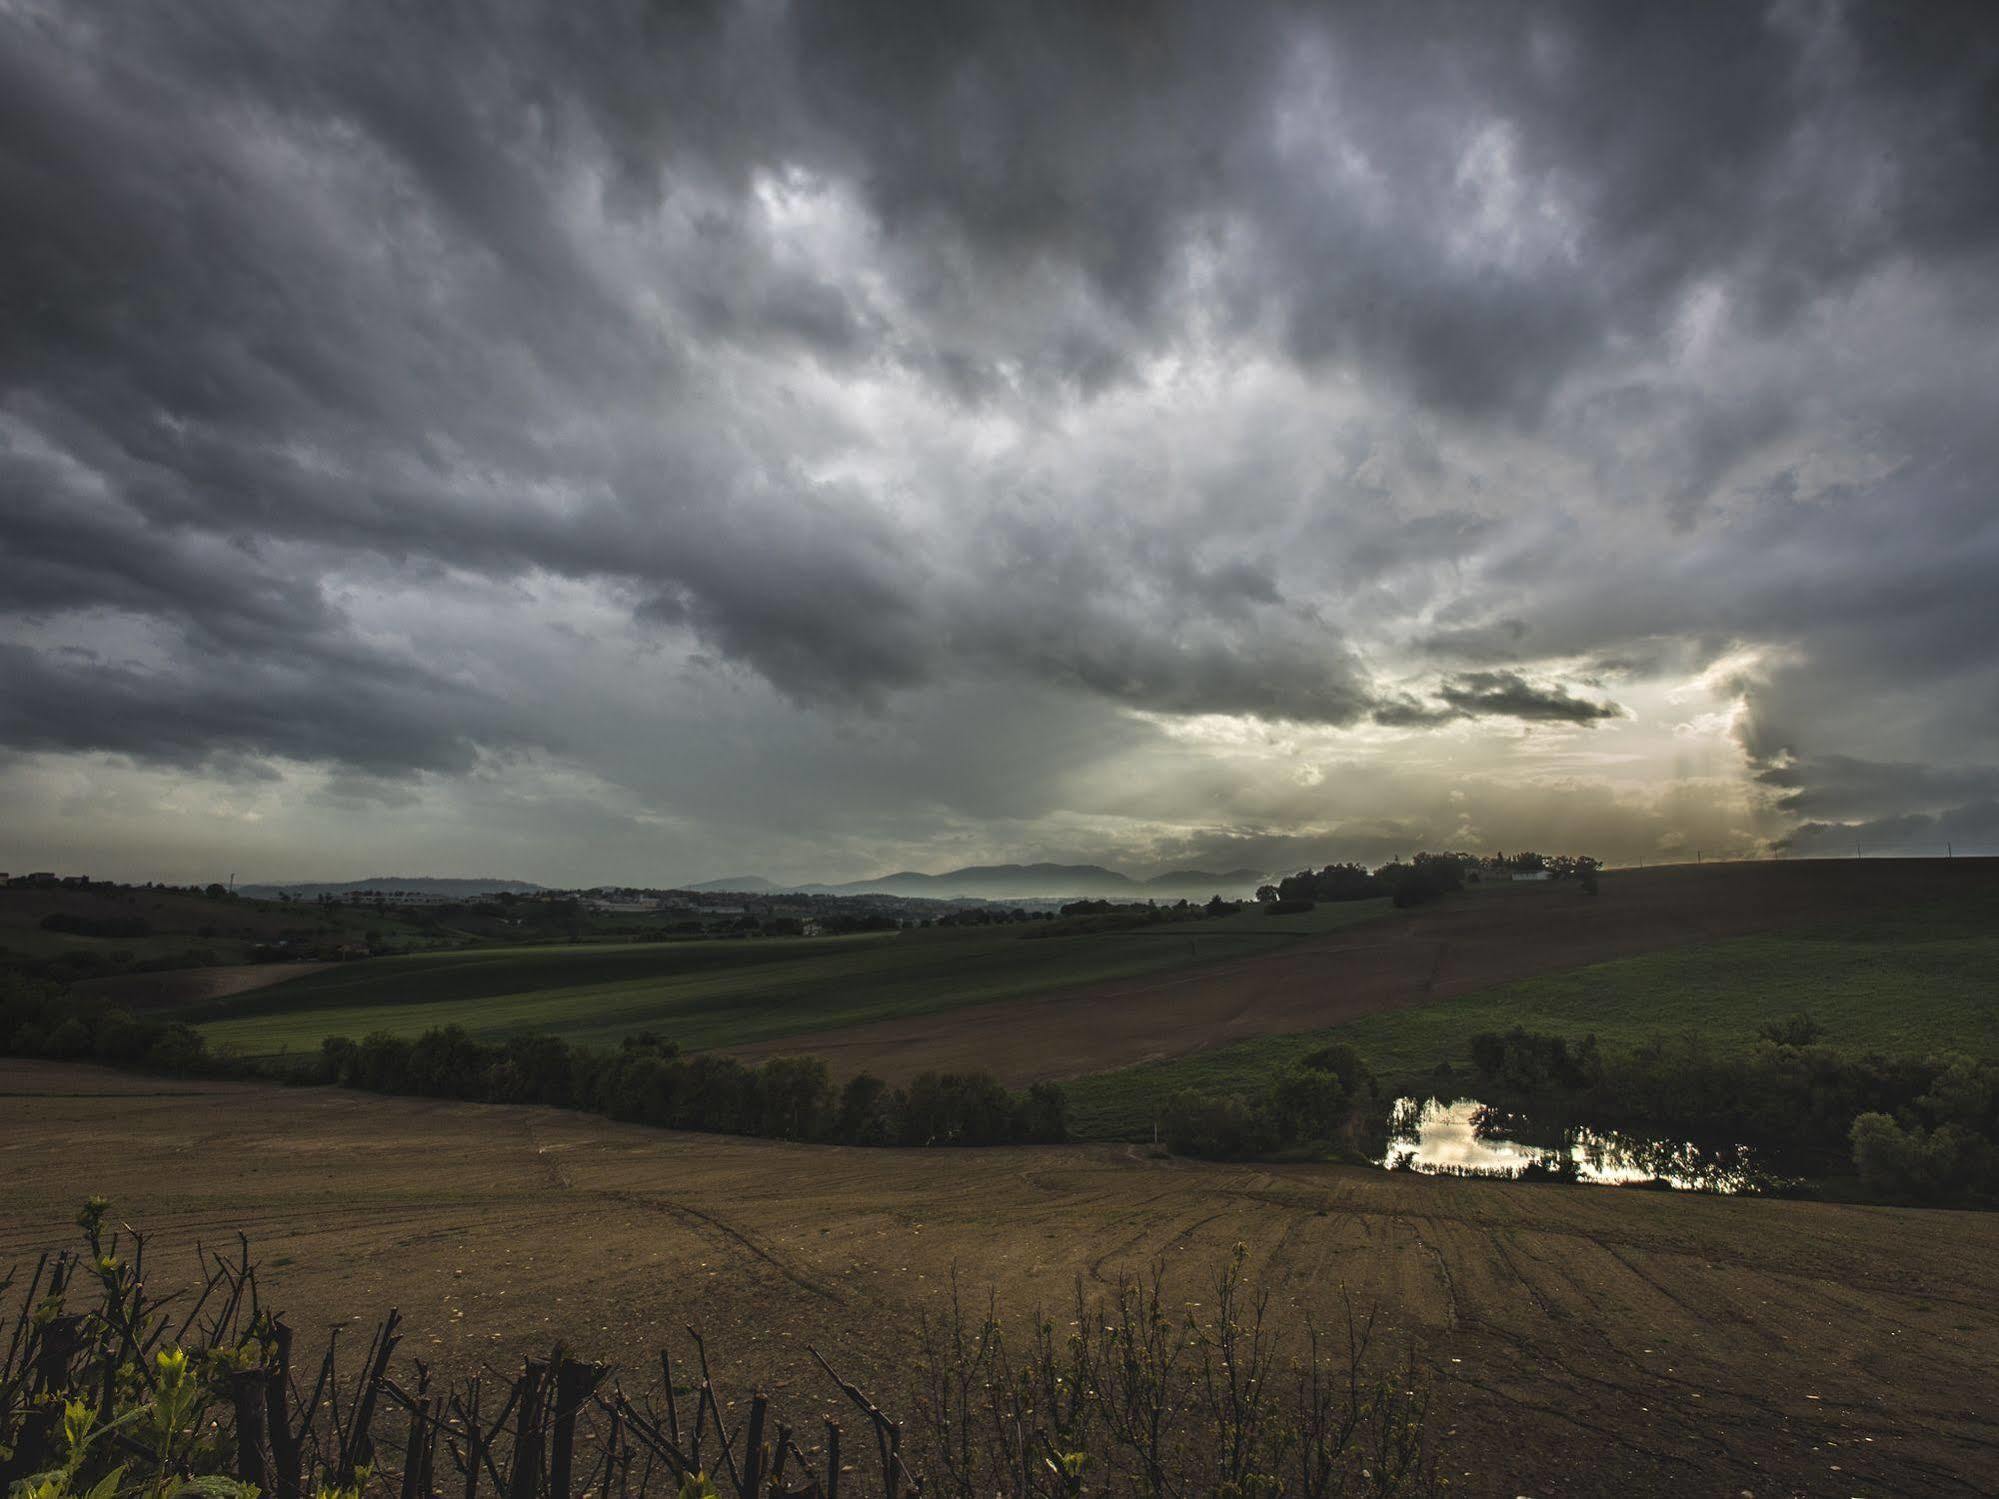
(39, 1018)
(1344, 1063)
(1204, 1124)
(1793, 1030)
(1524, 1061)
(97, 926)
(1913, 1164)
(959, 1108)
(797, 1098)
(1046, 1115)
(1308, 1104)
(865, 1117)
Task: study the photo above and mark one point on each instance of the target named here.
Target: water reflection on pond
(1469, 1138)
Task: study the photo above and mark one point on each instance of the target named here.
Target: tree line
(648, 1081)
(1424, 878)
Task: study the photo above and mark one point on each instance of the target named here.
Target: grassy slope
(718, 994)
(1907, 982)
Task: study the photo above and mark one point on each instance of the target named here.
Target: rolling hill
(421, 884)
(1018, 882)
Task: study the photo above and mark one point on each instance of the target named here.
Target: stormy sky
(651, 442)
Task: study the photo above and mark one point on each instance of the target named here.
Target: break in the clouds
(629, 441)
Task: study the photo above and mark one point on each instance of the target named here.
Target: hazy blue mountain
(1000, 882)
(743, 884)
(1185, 879)
(1022, 882)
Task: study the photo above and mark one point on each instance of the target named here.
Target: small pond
(1469, 1138)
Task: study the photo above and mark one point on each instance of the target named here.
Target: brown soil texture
(1466, 943)
(1595, 1340)
(187, 986)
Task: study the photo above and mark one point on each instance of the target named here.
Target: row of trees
(992, 916)
(1424, 878)
(1081, 918)
(38, 1018)
(647, 1081)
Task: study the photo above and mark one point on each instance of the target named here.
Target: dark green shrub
(1344, 1063)
(1217, 1126)
(1307, 1104)
(1793, 1030)
(866, 1115)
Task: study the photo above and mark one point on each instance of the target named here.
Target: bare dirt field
(1598, 1341)
(1470, 943)
(187, 986)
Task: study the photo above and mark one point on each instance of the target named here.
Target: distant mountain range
(1016, 882)
(981, 882)
(423, 884)
(736, 884)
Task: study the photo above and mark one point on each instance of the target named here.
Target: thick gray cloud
(412, 393)
(1972, 828)
(1507, 694)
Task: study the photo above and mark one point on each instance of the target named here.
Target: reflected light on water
(1468, 1138)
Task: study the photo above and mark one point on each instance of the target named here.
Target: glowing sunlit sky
(646, 443)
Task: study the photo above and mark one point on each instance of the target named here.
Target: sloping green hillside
(1902, 981)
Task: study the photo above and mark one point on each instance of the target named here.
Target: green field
(726, 993)
(1902, 982)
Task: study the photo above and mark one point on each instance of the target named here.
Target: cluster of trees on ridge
(647, 1081)
(1423, 879)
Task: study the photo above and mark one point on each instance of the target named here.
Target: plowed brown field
(187, 986)
(1598, 1341)
(1469, 943)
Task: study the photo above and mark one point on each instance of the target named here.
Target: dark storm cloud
(308, 303)
(1493, 694)
(1507, 694)
(1972, 829)
(1405, 712)
(1843, 786)
(360, 714)
(1655, 137)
